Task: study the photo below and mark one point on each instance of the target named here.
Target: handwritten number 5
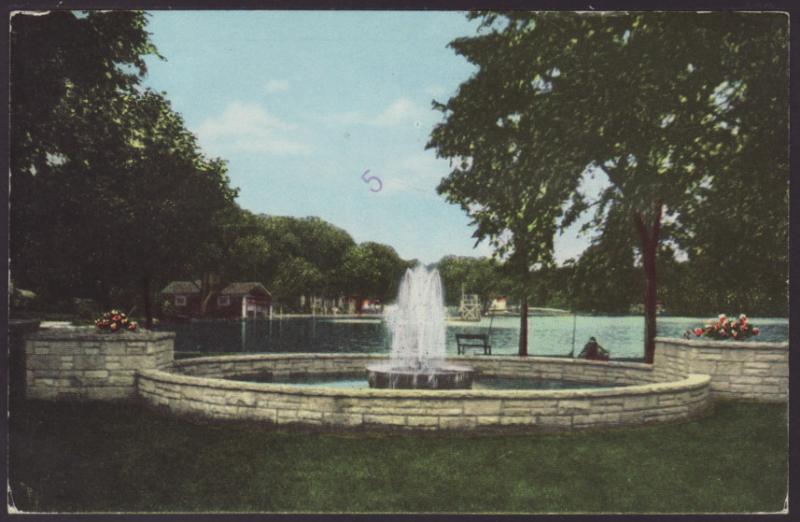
(367, 179)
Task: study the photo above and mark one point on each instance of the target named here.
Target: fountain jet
(418, 327)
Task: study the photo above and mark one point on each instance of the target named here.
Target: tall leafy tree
(658, 101)
(58, 61)
(111, 163)
(513, 192)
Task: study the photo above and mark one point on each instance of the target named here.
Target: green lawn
(121, 457)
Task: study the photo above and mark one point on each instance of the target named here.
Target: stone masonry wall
(738, 369)
(83, 364)
(194, 386)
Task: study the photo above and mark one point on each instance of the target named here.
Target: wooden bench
(474, 341)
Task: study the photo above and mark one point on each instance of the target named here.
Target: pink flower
(755, 331)
(698, 331)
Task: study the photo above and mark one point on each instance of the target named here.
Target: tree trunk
(148, 303)
(649, 243)
(523, 312)
(523, 324)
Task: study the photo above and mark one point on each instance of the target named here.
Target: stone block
(724, 368)
(42, 362)
(96, 374)
(482, 407)
(393, 420)
(113, 349)
(137, 363)
(458, 422)
(287, 416)
(422, 420)
(120, 379)
(770, 357)
(309, 416)
(240, 398)
(511, 420)
(89, 362)
(757, 365)
(673, 399)
(572, 406)
(640, 402)
(708, 355)
(747, 380)
(66, 348)
(781, 370)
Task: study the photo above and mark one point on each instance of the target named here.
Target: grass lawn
(122, 457)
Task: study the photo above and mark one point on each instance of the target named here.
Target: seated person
(593, 351)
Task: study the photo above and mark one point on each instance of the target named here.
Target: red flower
(698, 331)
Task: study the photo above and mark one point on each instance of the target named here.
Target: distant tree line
(609, 283)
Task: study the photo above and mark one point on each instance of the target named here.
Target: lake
(623, 336)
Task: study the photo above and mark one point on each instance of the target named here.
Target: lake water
(623, 336)
(358, 381)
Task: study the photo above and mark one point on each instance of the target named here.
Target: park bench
(474, 341)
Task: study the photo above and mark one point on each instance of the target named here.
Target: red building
(243, 301)
(248, 300)
(184, 296)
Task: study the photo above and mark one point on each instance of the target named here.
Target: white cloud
(273, 86)
(419, 173)
(248, 127)
(400, 113)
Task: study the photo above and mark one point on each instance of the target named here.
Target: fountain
(418, 327)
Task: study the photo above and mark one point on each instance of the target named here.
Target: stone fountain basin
(642, 393)
(443, 377)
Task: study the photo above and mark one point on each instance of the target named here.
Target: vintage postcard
(380, 262)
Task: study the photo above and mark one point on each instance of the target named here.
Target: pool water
(359, 381)
(623, 336)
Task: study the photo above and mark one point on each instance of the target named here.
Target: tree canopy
(677, 109)
(108, 187)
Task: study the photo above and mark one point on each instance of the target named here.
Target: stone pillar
(83, 364)
(17, 330)
(739, 369)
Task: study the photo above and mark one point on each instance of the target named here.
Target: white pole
(574, 320)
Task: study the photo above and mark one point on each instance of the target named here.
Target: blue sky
(301, 104)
